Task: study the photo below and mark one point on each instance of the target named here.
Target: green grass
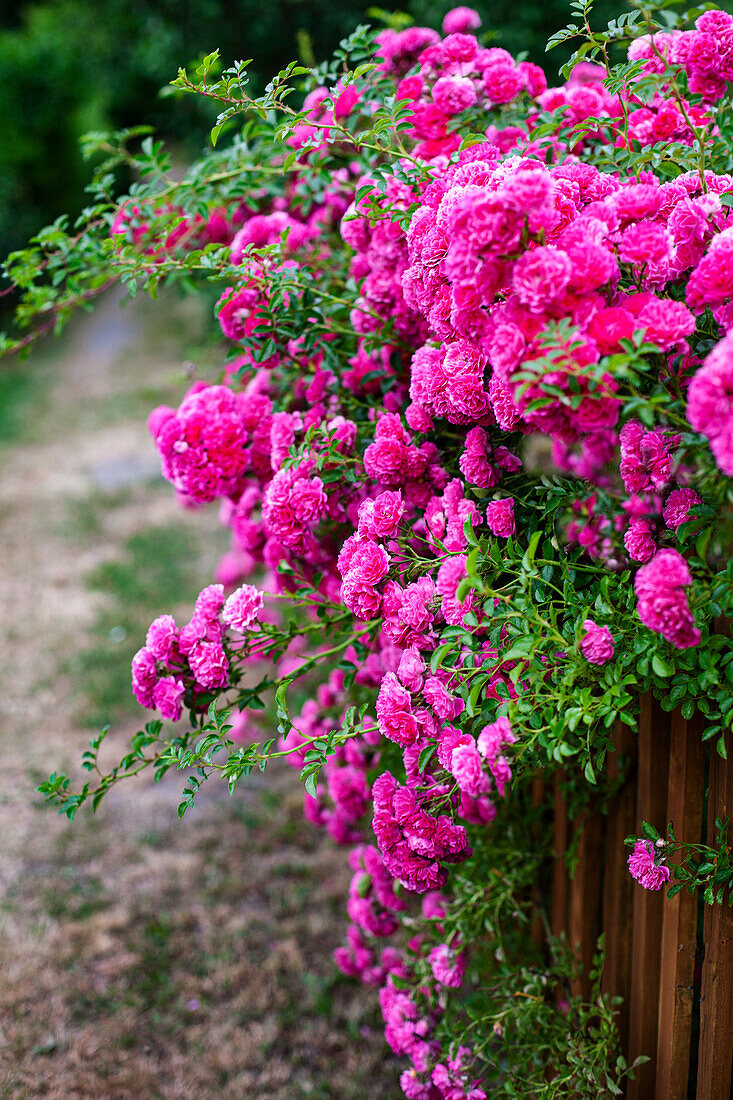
(84, 516)
(22, 393)
(160, 571)
(150, 978)
(130, 404)
(158, 566)
(75, 895)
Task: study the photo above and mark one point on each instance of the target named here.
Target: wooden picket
(646, 944)
(685, 793)
(716, 996)
(561, 839)
(670, 961)
(584, 910)
(618, 886)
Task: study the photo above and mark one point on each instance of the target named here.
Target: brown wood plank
(561, 837)
(715, 1067)
(539, 793)
(618, 885)
(685, 795)
(651, 805)
(584, 917)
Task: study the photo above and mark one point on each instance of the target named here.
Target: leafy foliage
(388, 240)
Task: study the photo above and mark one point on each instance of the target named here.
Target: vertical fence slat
(585, 900)
(618, 885)
(561, 837)
(650, 959)
(539, 793)
(715, 1066)
(651, 805)
(685, 794)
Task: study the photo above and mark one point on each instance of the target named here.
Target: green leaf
(474, 695)
(661, 666)
(529, 554)
(469, 532)
(280, 701)
(425, 757)
(521, 648)
(311, 784)
(440, 654)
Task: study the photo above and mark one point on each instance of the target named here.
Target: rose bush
(472, 436)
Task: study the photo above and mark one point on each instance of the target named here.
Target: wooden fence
(670, 961)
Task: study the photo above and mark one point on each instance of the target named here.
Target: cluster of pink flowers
(293, 505)
(451, 1080)
(176, 666)
(489, 298)
(203, 443)
(453, 75)
(710, 401)
(414, 843)
(363, 561)
(646, 457)
(491, 292)
(493, 299)
(706, 54)
(410, 1021)
(481, 464)
(663, 607)
(498, 251)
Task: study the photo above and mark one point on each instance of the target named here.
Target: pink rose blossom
(597, 643)
(710, 402)
(242, 609)
(144, 676)
(162, 639)
(394, 714)
(381, 517)
(411, 669)
(500, 517)
(644, 868)
(461, 19)
(662, 601)
(677, 506)
(503, 82)
(639, 541)
(454, 94)
(490, 742)
(363, 599)
(167, 696)
(209, 603)
(369, 563)
(447, 965)
(209, 665)
(541, 276)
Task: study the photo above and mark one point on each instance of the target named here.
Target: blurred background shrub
(68, 66)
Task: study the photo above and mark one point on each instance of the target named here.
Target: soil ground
(141, 956)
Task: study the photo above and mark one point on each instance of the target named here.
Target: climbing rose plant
(472, 435)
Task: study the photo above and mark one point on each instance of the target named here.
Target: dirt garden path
(139, 956)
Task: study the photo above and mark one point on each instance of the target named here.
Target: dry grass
(183, 961)
(140, 957)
